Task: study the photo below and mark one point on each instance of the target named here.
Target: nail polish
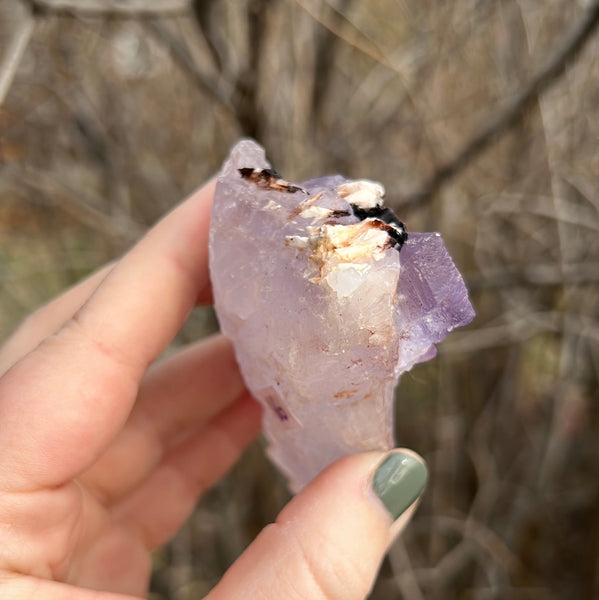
(398, 481)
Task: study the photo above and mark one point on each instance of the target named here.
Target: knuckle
(335, 572)
(81, 332)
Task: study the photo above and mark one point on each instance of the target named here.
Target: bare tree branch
(78, 204)
(245, 97)
(339, 25)
(335, 20)
(326, 52)
(119, 7)
(14, 53)
(201, 10)
(512, 111)
(208, 84)
(405, 576)
(535, 275)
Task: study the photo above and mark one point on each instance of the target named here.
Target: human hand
(103, 453)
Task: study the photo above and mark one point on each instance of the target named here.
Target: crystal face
(326, 306)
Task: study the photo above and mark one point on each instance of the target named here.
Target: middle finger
(177, 396)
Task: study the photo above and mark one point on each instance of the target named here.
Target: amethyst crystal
(325, 305)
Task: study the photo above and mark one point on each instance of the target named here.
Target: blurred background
(480, 117)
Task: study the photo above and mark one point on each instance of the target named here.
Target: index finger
(63, 402)
(48, 319)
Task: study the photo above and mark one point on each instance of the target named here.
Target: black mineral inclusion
(396, 230)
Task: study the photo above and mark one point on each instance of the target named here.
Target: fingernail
(398, 481)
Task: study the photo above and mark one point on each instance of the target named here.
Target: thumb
(329, 541)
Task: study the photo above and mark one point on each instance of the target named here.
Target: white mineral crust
(324, 313)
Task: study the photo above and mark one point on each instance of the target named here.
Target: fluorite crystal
(324, 306)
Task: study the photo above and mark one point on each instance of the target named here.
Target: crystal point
(324, 306)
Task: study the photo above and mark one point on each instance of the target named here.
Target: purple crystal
(324, 311)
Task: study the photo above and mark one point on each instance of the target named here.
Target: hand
(103, 452)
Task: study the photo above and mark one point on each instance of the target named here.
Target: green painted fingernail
(398, 481)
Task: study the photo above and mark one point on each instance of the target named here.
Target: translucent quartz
(323, 310)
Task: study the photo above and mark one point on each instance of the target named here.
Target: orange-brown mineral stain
(344, 394)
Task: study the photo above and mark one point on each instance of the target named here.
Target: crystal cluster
(326, 306)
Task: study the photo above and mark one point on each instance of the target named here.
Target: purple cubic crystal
(325, 306)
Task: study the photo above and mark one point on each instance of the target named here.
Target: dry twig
(14, 53)
(512, 111)
(76, 203)
(118, 7)
(209, 85)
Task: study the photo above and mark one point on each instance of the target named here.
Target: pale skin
(104, 450)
